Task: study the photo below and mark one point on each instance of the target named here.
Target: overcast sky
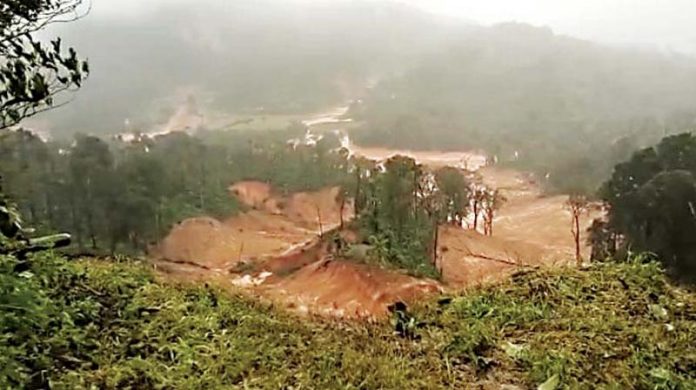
(665, 24)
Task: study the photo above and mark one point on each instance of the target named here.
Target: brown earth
(346, 289)
(529, 230)
(274, 250)
(275, 226)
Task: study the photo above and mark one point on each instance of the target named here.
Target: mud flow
(275, 249)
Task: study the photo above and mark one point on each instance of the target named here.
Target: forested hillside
(553, 104)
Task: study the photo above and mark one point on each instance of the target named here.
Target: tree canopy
(652, 200)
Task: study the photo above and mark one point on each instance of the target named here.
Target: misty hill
(524, 93)
(442, 84)
(238, 56)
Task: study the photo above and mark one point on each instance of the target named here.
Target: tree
(455, 192)
(603, 240)
(577, 205)
(33, 74)
(10, 222)
(652, 203)
(477, 198)
(492, 201)
(436, 204)
(666, 224)
(397, 212)
(92, 178)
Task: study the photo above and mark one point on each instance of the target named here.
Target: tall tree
(92, 178)
(492, 202)
(577, 205)
(455, 192)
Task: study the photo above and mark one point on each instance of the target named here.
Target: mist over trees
(239, 56)
(556, 105)
(564, 108)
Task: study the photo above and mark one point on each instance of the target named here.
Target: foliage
(32, 74)
(614, 325)
(395, 216)
(456, 192)
(652, 200)
(111, 324)
(119, 196)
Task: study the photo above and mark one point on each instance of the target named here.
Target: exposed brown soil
(274, 250)
(529, 230)
(346, 289)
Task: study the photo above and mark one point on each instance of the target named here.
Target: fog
(666, 24)
(231, 58)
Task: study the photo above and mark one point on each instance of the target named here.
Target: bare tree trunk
(489, 222)
(436, 240)
(321, 226)
(343, 206)
(358, 188)
(576, 237)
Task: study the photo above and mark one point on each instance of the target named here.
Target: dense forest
(558, 106)
(121, 196)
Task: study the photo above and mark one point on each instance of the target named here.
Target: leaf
(659, 312)
(515, 351)
(551, 383)
(660, 373)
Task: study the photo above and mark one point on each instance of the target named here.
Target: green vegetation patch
(614, 326)
(112, 324)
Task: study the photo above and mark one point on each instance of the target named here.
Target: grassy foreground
(98, 324)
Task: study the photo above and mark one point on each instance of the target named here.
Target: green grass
(614, 326)
(98, 324)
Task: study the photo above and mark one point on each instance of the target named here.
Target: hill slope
(113, 325)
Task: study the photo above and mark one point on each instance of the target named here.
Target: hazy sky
(666, 24)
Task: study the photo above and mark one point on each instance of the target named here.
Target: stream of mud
(277, 253)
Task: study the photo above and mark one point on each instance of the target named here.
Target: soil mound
(347, 290)
(317, 210)
(275, 227)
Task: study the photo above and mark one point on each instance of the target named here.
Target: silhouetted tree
(32, 73)
(652, 202)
